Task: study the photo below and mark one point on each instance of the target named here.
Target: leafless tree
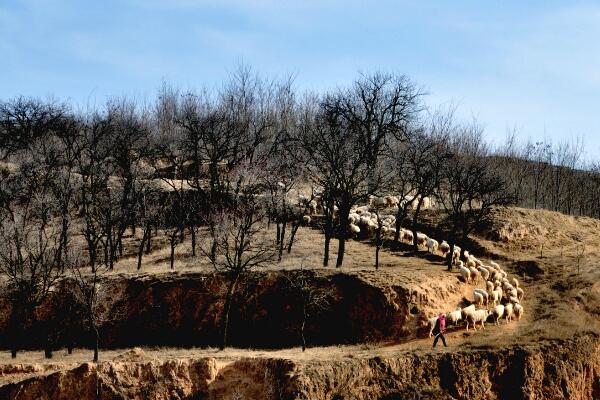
(88, 294)
(471, 186)
(28, 261)
(238, 243)
(310, 298)
(425, 161)
(24, 120)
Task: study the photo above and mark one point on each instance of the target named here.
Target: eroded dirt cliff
(557, 369)
(183, 309)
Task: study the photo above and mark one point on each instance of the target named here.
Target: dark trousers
(439, 335)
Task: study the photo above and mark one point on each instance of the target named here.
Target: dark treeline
(552, 176)
(233, 161)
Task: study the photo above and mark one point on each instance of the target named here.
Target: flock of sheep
(501, 297)
(364, 218)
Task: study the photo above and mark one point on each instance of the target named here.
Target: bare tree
(351, 135)
(24, 120)
(311, 299)
(427, 155)
(88, 294)
(28, 261)
(471, 186)
(238, 243)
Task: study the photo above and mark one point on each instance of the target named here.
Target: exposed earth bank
(558, 369)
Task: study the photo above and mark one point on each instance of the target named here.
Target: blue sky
(533, 66)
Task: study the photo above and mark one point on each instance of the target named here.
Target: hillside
(370, 344)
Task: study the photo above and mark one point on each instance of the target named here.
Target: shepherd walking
(439, 329)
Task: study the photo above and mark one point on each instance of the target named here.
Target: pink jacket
(442, 319)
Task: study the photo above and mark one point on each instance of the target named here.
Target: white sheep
(483, 271)
(364, 220)
(477, 316)
(477, 298)
(497, 312)
(354, 228)
(306, 219)
(520, 293)
(431, 323)
(494, 264)
(489, 286)
(515, 282)
(391, 201)
(508, 312)
(454, 316)
(375, 201)
(312, 207)
(499, 290)
(444, 248)
(465, 273)
(470, 262)
(513, 300)
(456, 255)
(467, 310)
(361, 210)
(495, 297)
(474, 273)
(432, 245)
(421, 239)
(518, 311)
(483, 293)
(406, 235)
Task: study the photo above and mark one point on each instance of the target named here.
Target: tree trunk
(193, 234)
(341, 251)
(399, 218)
(378, 241)
(326, 250)
(149, 240)
(343, 212)
(302, 326)
(278, 237)
(141, 248)
(414, 226)
(226, 310)
(450, 256)
(120, 244)
(173, 244)
(96, 343)
(328, 235)
(293, 236)
(282, 241)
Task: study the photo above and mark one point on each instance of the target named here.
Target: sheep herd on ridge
(499, 299)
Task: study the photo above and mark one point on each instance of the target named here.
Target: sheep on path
(465, 273)
(432, 245)
(477, 298)
(497, 312)
(454, 316)
(518, 311)
(477, 316)
(508, 312)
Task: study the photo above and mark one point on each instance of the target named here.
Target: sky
(532, 67)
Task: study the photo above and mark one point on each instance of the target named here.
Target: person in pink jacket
(439, 329)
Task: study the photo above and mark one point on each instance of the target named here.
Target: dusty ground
(555, 257)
